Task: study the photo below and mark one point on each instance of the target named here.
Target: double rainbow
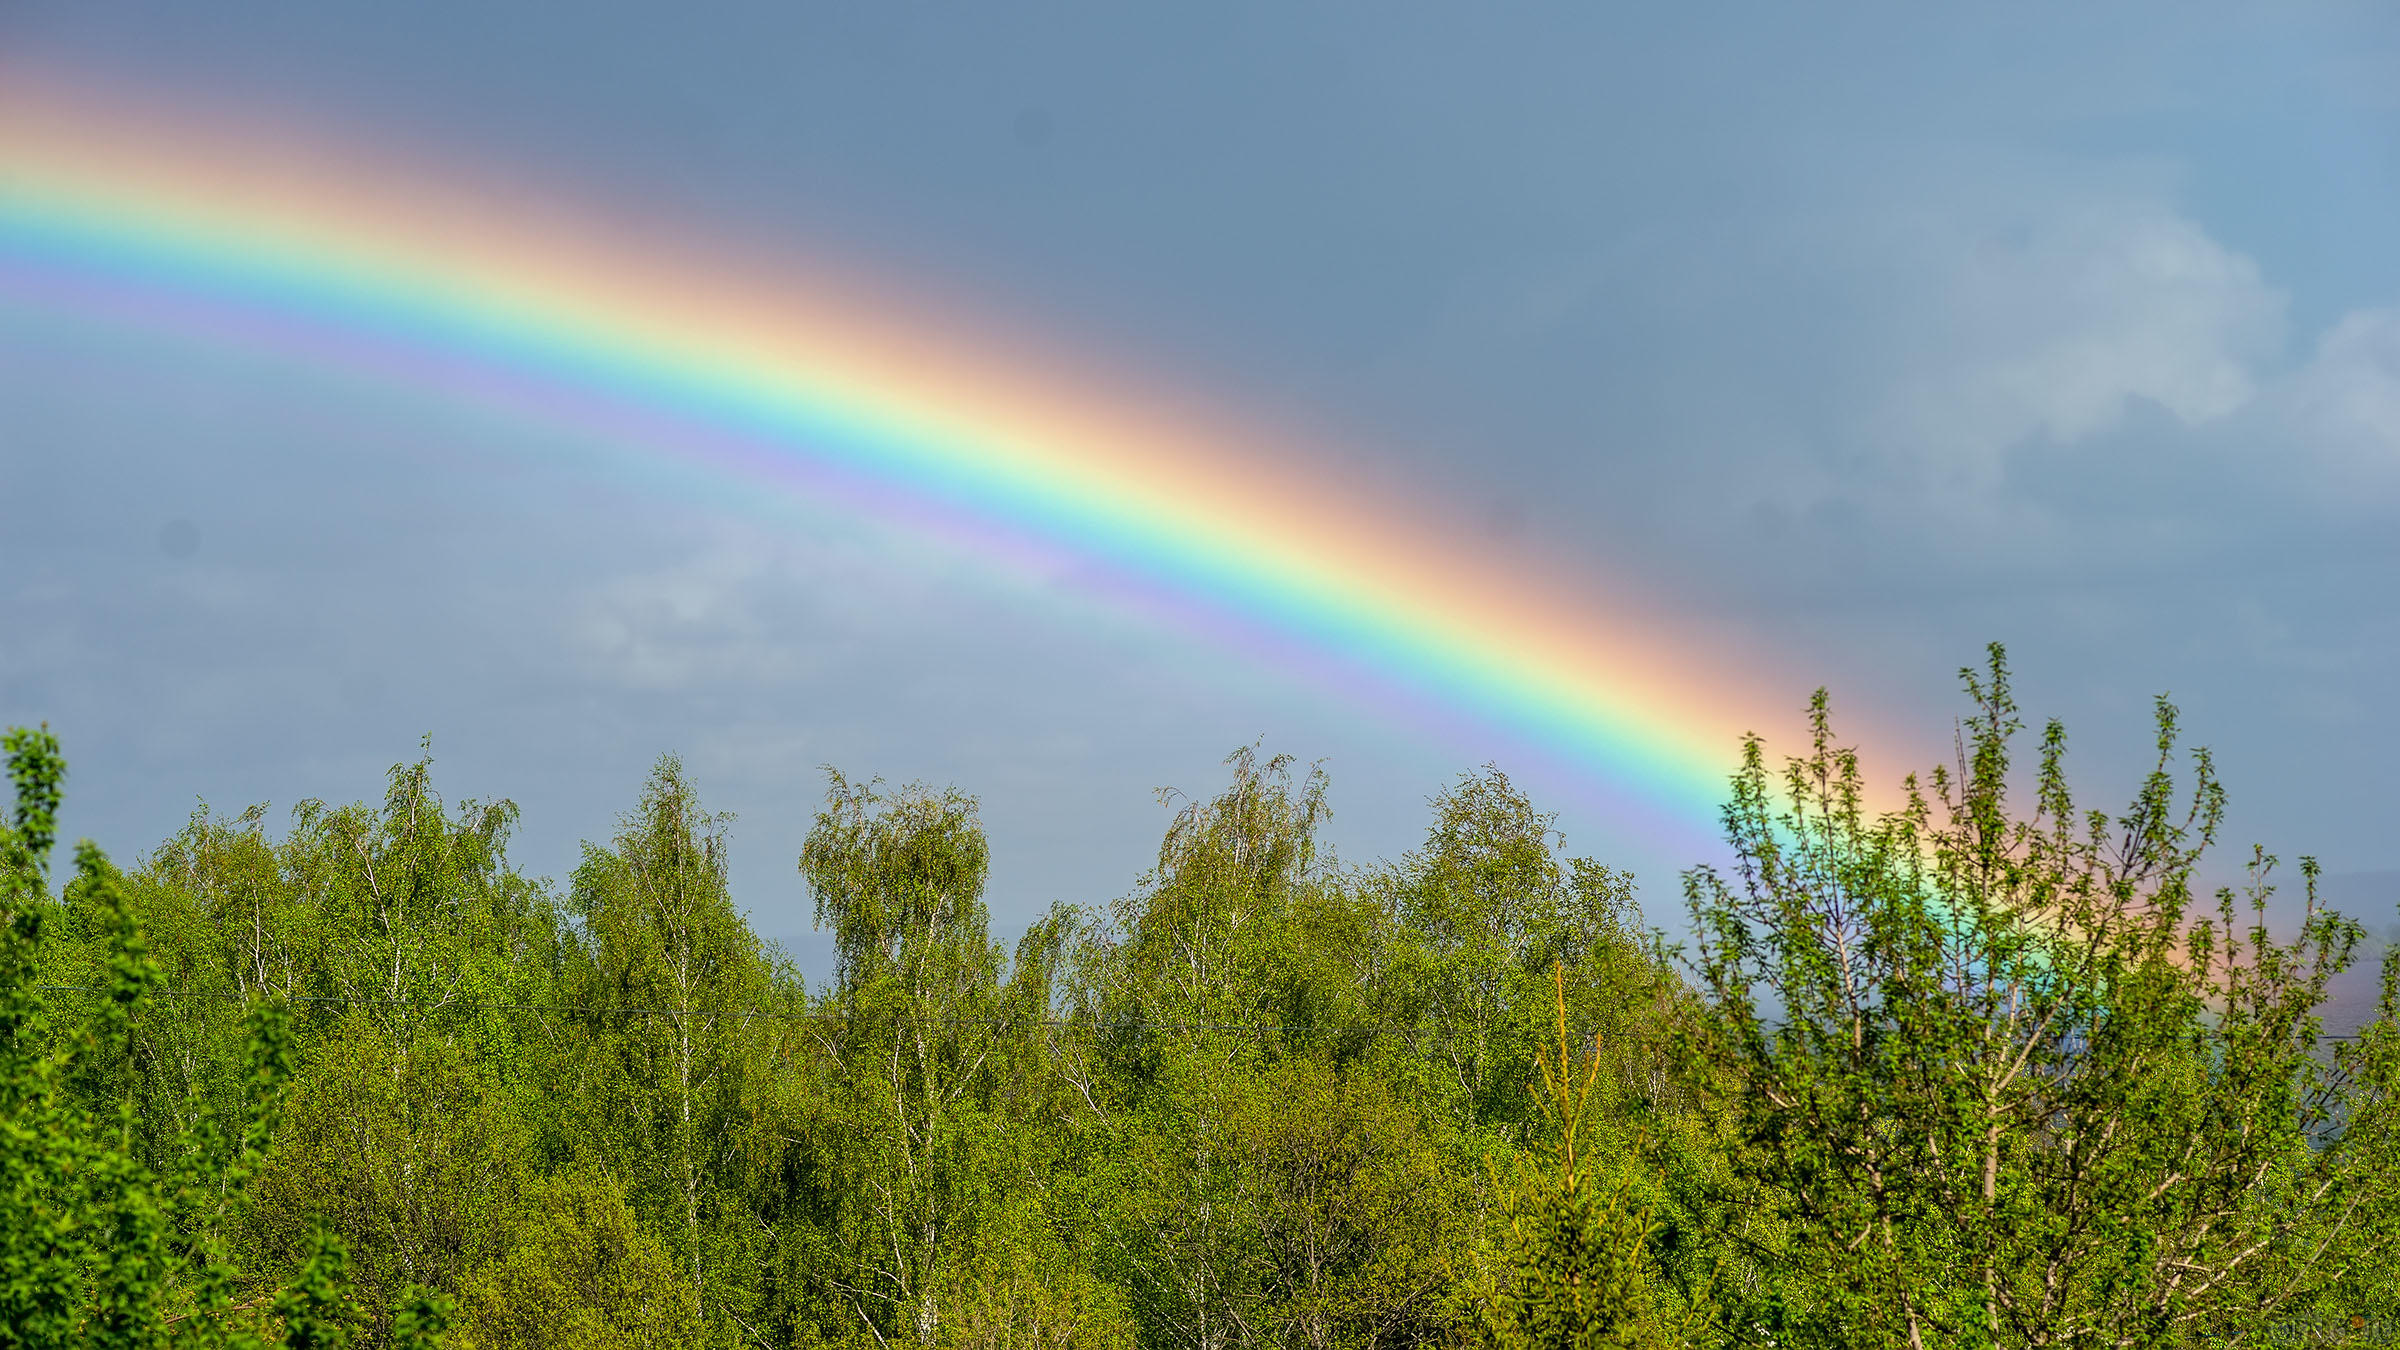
(656, 341)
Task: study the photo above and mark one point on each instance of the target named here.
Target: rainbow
(649, 338)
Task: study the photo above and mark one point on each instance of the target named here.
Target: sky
(1854, 336)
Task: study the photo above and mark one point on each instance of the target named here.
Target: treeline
(1983, 1070)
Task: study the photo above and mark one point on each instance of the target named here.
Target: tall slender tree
(917, 1034)
(668, 988)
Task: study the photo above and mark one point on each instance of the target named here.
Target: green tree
(95, 1246)
(98, 1246)
(1573, 1260)
(1169, 1001)
(922, 1041)
(1260, 1162)
(668, 988)
(1997, 1078)
(1489, 906)
(406, 939)
(1489, 920)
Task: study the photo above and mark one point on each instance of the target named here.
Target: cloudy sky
(1869, 337)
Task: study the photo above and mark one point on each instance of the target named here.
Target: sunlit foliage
(1985, 1068)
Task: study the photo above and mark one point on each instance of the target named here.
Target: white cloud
(2049, 320)
(1899, 322)
(740, 608)
(729, 613)
(2346, 400)
(2006, 305)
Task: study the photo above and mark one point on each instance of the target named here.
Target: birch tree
(667, 988)
(915, 1033)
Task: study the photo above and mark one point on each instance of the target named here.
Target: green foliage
(1977, 1070)
(420, 1318)
(664, 970)
(921, 1057)
(1573, 1261)
(578, 1271)
(1992, 1078)
(99, 1245)
(1021, 1297)
(316, 1311)
(1484, 914)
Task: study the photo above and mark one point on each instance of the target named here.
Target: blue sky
(1868, 336)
